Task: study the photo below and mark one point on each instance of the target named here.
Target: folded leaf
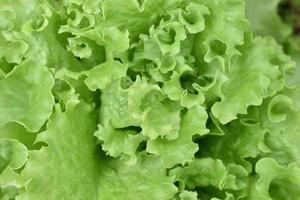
(250, 80)
(181, 149)
(26, 96)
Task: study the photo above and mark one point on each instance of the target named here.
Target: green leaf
(149, 100)
(100, 76)
(121, 107)
(65, 133)
(8, 192)
(114, 39)
(214, 42)
(69, 131)
(193, 17)
(181, 149)
(276, 181)
(120, 142)
(13, 156)
(19, 154)
(202, 172)
(146, 179)
(188, 195)
(121, 118)
(293, 49)
(18, 132)
(250, 80)
(168, 36)
(6, 154)
(79, 47)
(282, 133)
(166, 126)
(26, 96)
(265, 20)
(173, 86)
(135, 17)
(13, 51)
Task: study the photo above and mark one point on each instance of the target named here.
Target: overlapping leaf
(148, 99)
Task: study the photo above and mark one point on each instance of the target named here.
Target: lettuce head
(148, 100)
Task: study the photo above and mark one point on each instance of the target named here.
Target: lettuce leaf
(149, 99)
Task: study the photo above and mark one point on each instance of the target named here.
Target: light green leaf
(114, 39)
(8, 192)
(146, 180)
(13, 156)
(121, 118)
(135, 17)
(193, 17)
(100, 76)
(181, 149)
(6, 154)
(277, 108)
(26, 96)
(70, 131)
(250, 80)
(79, 47)
(202, 172)
(65, 133)
(265, 20)
(188, 195)
(13, 51)
(92, 6)
(173, 87)
(17, 132)
(19, 154)
(120, 142)
(137, 93)
(154, 124)
(121, 107)
(276, 182)
(214, 42)
(282, 135)
(168, 36)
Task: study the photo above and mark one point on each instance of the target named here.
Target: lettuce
(148, 99)
(280, 19)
